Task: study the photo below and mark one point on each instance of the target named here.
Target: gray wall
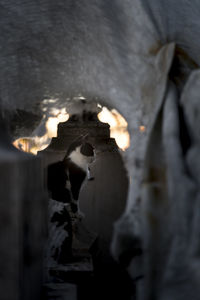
(103, 199)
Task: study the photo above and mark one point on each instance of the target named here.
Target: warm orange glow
(118, 127)
(118, 130)
(32, 144)
(142, 128)
(35, 144)
(52, 122)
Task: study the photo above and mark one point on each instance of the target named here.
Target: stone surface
(103, 200)
(23, 223)
(60, 291)
(169, 196)
(118, 52)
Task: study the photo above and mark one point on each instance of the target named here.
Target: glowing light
(79, 97)
(35, 144)
(52, 122)
(118, 127)
(118, 130)
(142, 128)
(106, 116)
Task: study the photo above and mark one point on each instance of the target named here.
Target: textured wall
(23, 223)
(124, 53)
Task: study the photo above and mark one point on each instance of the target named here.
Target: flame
(118, 127)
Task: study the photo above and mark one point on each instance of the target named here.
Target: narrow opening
(87, 187)
(34, 143)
